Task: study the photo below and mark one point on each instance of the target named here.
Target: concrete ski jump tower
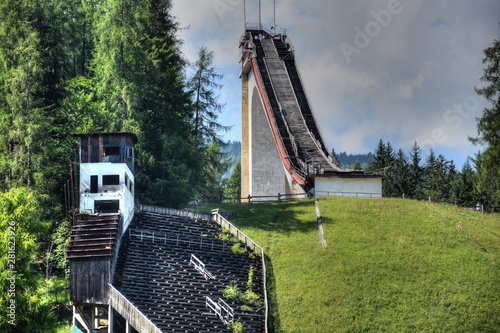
(282, 150)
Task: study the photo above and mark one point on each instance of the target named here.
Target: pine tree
(205, 101)
(415, 173)
(430, 175)
(489, 123)
(211, 184)
(462, 186)
(233, 185)
(206, 128)
(357, 165)
(379, 163)
(335, 157)
(23, 116)
(485, 189)
(399, 175)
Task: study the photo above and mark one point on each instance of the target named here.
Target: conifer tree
(415, 176)
(205, 101)
(233, 185)
(489, 123)
(203, 86)
(399, 175)
(23, 119)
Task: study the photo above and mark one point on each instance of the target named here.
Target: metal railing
(177, 239)
(221, 221)
(221, 309)
(200, 267)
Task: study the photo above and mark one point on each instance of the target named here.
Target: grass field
(391, 265)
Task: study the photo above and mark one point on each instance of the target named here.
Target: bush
(252, 299)
(232, 292)
(238, 249)
(236, 327)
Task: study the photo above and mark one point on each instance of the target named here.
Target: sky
(403, 71)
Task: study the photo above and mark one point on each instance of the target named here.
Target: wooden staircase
(94, 235)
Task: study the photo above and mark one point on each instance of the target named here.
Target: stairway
(93, 236)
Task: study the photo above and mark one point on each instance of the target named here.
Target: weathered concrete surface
(268, 174)
(245, 138)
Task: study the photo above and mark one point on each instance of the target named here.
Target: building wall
(89, 280)
(93, 148)
(360, 187)
(124, 191)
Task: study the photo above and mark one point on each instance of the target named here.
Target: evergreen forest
(69, 67)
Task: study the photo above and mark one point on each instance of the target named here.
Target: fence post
(279, 197)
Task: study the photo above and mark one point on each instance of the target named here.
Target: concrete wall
(360, 187)
(268, 174)
(245, 137)
(262, 171)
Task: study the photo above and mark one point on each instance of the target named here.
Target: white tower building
(107, 174)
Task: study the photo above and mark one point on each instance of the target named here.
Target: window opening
(109, 151)
(107, 206)
(93, 184)
(111, 180)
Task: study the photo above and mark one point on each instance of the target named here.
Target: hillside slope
(391, 265)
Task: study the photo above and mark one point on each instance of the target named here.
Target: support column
(245, 138)
(111, 319)
(92, 317)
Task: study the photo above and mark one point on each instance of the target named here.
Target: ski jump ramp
(282, 148)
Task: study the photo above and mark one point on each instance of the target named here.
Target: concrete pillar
(92, 317)
(245, 138)
(111, 319)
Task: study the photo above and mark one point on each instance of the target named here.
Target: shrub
(236, 327)
(252, 299)
(250, 278)
(238, 249)
(225, 234)
(232, 292)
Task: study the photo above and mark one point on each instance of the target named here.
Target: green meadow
(391, 265)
